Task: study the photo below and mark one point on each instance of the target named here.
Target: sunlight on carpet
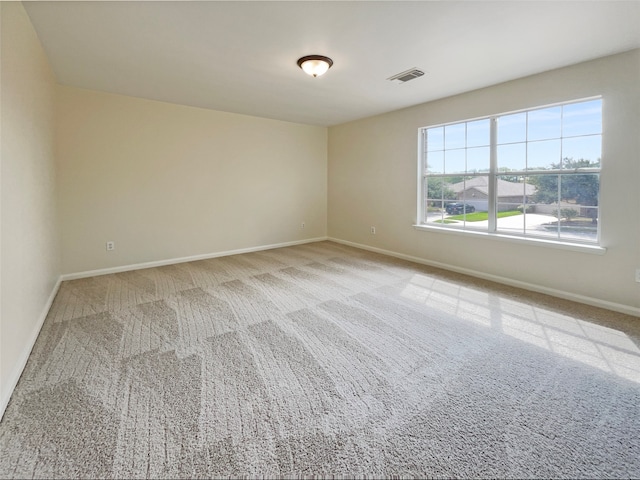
(602, 347)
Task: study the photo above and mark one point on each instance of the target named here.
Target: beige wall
(166, 181)
(373, 168)
(29, 247)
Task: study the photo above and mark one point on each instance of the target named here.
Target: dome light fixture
(315, 65)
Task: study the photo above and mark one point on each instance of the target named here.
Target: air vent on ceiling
(407, 75)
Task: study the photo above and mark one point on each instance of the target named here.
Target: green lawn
(480, 216)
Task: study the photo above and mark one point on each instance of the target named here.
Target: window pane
(582, 148)
(474, 190)
(478, 133)
(510, 202)
(439, 188)
(454, 136)
(581, 190)
(471, 204)
(434, 211)
(539, 217)
(582, 118)
(433, 201)
(544, 124)
(543, 154)
(439, 194)
(512, 128)
(512, 157)
(435, 139)
(472, 209)
(578, 212)
(545, 189)
(454, 161)
(578, 223)
(541, 208)
(478, 159)
(435, 162)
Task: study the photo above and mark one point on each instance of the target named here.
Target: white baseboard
(173, 261)
(595, 302)
(7, 390)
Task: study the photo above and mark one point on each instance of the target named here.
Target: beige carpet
(321, 360)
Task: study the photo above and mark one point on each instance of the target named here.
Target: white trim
(193, 258)
(595, 302)
(14, 377)
(535, 241)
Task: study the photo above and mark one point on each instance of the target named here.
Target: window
(533, 174)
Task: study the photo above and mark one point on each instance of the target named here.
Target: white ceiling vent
(407, 75)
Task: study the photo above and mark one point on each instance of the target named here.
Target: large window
(534, 173)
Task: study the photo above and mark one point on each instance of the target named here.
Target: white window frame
(492, 230)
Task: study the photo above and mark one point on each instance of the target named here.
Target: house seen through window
(534, 173)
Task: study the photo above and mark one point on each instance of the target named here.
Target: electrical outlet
(302, 225)
(638, 275)
(111, 246)
(373, 230)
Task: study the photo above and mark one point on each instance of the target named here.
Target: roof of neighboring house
(505, 189)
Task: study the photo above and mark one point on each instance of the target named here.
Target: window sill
(575, 247)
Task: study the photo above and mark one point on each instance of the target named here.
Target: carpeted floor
(321, 360)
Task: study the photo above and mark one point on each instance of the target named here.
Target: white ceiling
(241, 56)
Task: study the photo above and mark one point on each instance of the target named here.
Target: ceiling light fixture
(315, 65)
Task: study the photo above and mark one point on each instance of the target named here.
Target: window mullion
(493, 167)
(422, 179)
